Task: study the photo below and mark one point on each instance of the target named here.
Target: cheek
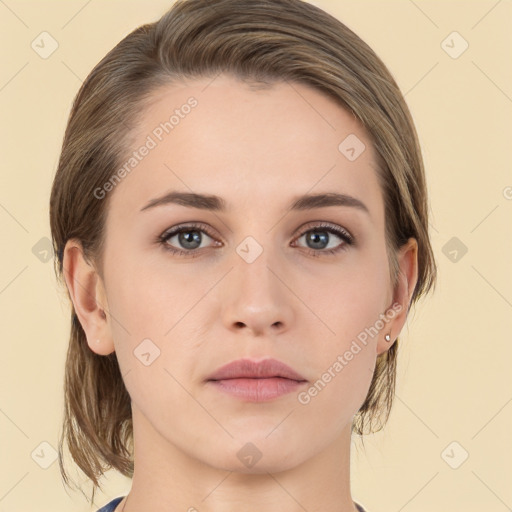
(155, 316)
(339, 390)
(148, 318)
(345, 367)
(351, 298)
(149, 299)
(351, 302)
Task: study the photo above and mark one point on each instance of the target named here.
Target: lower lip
(257, 390)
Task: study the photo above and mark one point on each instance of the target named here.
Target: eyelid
(339, 231)
(317, 225)
(186, 226)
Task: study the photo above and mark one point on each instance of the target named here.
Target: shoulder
(110, 507)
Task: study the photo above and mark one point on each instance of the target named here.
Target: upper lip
(249, 369)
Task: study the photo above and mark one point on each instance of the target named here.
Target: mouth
(256, 381)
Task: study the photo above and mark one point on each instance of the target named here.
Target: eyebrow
(218, 204)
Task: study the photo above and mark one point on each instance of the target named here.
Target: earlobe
(402, 294)
(89, 299)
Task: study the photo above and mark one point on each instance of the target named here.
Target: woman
(240, 217)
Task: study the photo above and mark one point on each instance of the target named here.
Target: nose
(256, 298)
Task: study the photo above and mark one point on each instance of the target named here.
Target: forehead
(250, 146)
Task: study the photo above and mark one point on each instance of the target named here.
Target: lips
(256, 381)
(249, 369)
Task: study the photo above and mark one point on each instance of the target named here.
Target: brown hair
(259, 42)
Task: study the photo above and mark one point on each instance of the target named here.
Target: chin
(259, 456)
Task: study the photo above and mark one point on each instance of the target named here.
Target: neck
(167, 478)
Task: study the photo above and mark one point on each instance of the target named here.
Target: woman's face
(256, 278)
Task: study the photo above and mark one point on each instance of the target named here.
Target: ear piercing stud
(387, 337)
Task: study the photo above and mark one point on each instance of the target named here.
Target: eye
(189, 239)
(319, 239)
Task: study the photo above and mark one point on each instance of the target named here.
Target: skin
(257, 150)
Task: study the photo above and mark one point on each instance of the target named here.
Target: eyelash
(348, 239)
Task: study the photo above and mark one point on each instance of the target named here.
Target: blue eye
(191, 236)
(319, 237)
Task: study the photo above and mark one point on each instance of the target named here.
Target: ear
(407, 258)
(89, 298)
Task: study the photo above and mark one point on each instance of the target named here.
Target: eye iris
(316, 237)
(185, 239)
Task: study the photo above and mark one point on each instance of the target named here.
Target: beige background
(454, 367)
